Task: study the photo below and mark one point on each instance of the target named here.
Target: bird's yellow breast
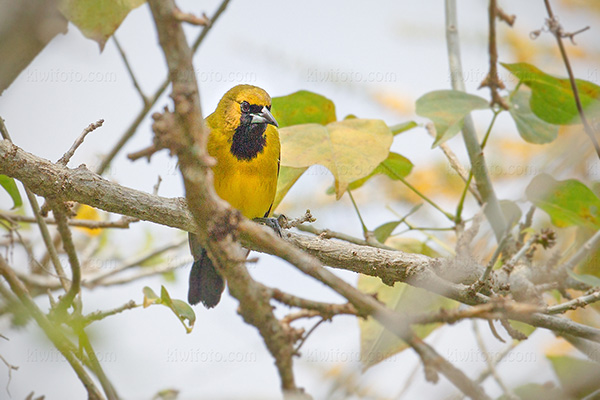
(248, 185)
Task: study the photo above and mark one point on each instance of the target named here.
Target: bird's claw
(272, 223)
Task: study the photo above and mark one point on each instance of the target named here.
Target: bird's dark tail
(206, 285)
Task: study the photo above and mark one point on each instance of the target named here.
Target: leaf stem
(362, 222)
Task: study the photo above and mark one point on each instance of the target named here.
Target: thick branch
(80, 185)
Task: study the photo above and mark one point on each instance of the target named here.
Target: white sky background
(282, 47)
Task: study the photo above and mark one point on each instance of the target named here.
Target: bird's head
(244, 105)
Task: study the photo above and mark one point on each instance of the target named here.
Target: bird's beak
(264, 116)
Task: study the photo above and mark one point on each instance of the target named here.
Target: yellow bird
(245, 142)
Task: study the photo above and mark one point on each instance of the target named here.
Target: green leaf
(350, 149)
(567, 202)
(403, 127)
(522, 327)
(591, 280)
(447, 109)
(377, 343)
(13, 191)
(382, 232)
(180, 308)
(303, 107)
(97, 19)
(552, 98)
(577, 377)
(531, 128)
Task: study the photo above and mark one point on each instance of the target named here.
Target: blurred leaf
(13, 191)
(85, 212)
(287, 178)
(403, 127)
(531, 128)
(303, 107)
(567, 202)
(535, 391)
(552, 98)
(350, 149)
(577, 377)
(447, 109)
(377, 343)
(149, 296)
(591, 280)
(522, 327)
(166, 394)
(97, 19)
(383, 232)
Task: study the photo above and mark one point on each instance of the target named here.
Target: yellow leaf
(97, 19)
(350, 149)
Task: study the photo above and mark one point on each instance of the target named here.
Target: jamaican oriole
(245, 142)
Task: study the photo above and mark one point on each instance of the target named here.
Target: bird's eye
(269, 107)
(244, 106)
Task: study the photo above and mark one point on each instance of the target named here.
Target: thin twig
(98, 315)
(490, 265)
(556, 29)
(121, 223)
(329, 234)
(454, 162)
(94, 365)
(490, 362)
(64, 160)
(10, 370)
(503, 16)
(130, 71)
(60, 213)
(191, 18)
(136, 261)
(510, 265)
(574, 304)
(588, 247)
(492, 80)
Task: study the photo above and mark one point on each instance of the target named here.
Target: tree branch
(83, 186)
(482, 177)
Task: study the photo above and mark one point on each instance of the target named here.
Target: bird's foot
(272, 223)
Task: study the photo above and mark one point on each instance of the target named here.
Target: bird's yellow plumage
(245, 142)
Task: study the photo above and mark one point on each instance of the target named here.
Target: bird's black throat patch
(248, 140)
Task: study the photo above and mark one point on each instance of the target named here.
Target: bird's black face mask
(249, 139)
